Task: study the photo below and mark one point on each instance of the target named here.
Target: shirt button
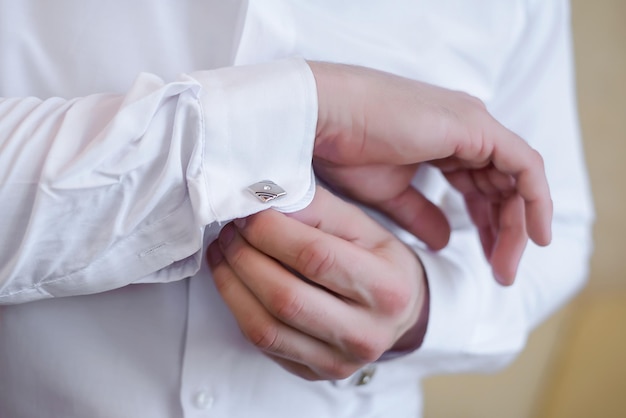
(203, 399)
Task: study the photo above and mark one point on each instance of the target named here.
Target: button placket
(203, 399)
(199, 392)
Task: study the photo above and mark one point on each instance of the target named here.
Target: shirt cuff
(259, 123)
(453, 300)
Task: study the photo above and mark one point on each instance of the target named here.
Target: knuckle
(475, 102)
(315, 259)
(367, 348)
(338, 369)
(265, 336)
(286, 305)
(257, 228)
(539, 160)
(393, 300)
(469, 107)
(475, 114)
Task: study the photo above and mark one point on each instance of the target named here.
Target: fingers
(344, 251)
(502, 233)
(352, 309)
(384, 277)
(312, 373)
(388, 189)
(409, 209)
(418, 215)
(405, 121)
(492, 144)
(527, 166)
(367, 272)
(297, 369)
(284, 295)
(511, 240)
(275, 337)
(330, 214)
(498, 212)
(503, 163)
(328, 260)
(289, 319)
(480, 213)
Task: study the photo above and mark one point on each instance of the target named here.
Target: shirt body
(128, 132)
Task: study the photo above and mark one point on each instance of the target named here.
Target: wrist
(337, 90)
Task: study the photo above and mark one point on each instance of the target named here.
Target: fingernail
(214, 254)
(227, 235)
(240, 223)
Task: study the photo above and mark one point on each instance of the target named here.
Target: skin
(357, 273)
(374, 128)
(364, 293)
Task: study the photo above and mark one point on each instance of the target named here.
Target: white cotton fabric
(128, 134)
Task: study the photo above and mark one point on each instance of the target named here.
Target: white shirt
(136, 150)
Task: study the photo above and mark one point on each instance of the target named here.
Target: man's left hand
(322, 294)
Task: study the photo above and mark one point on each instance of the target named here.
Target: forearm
(106, 190)
(474, 323)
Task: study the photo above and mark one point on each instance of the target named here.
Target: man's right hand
(374, 129)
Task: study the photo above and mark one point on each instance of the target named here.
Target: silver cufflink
(266, 190)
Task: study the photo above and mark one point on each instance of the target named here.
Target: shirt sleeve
(475, 324)
(102, 191)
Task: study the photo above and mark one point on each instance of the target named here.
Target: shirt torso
(168, 350)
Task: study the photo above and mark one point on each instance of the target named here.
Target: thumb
(333, 215)
(414, 212)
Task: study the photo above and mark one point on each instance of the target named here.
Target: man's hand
(362, 294)
(373, 129)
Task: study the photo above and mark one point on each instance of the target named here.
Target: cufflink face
(266, 190)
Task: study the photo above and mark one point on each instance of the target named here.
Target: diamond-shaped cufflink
(266, 190)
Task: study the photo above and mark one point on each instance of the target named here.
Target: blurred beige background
(575, 364)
